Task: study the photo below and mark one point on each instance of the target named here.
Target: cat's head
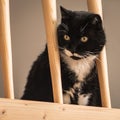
(80, 34)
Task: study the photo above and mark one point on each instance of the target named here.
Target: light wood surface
(50, 18)
(5, 49)
(30, 110)
(95, 6)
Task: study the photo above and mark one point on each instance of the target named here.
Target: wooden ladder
(23, 110)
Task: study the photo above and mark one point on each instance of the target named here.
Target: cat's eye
(84, 39)
(66, 37)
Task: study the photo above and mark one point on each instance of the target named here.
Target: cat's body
(80, 38)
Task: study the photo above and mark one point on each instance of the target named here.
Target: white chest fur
(80, 67)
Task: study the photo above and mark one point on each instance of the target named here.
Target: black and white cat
(80, 38)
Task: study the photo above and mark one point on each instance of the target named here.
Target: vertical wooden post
(5, 49)
(95, 6)
(50, 18)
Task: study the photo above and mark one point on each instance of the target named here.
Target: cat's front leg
(68, 95)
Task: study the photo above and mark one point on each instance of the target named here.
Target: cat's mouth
(74, 56)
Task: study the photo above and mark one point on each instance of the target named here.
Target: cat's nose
(72, 47)
(72, 50)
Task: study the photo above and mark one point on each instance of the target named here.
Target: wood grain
(30, 110)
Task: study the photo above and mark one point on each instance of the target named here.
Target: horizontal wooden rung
(30, 110)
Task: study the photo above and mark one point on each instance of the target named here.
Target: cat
(81, 38)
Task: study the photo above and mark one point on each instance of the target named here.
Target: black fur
(76, 25)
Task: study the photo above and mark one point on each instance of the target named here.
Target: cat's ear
(65, 14)
(96, 19)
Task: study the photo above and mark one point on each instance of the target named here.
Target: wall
(28, 39)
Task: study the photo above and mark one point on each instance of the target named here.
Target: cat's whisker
(61, 48)
(92, 53)
(89, 53)
(97, 58)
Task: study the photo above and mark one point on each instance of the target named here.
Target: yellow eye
(84, 39)
(66, 37)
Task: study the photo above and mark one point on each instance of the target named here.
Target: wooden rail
(31, 110)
